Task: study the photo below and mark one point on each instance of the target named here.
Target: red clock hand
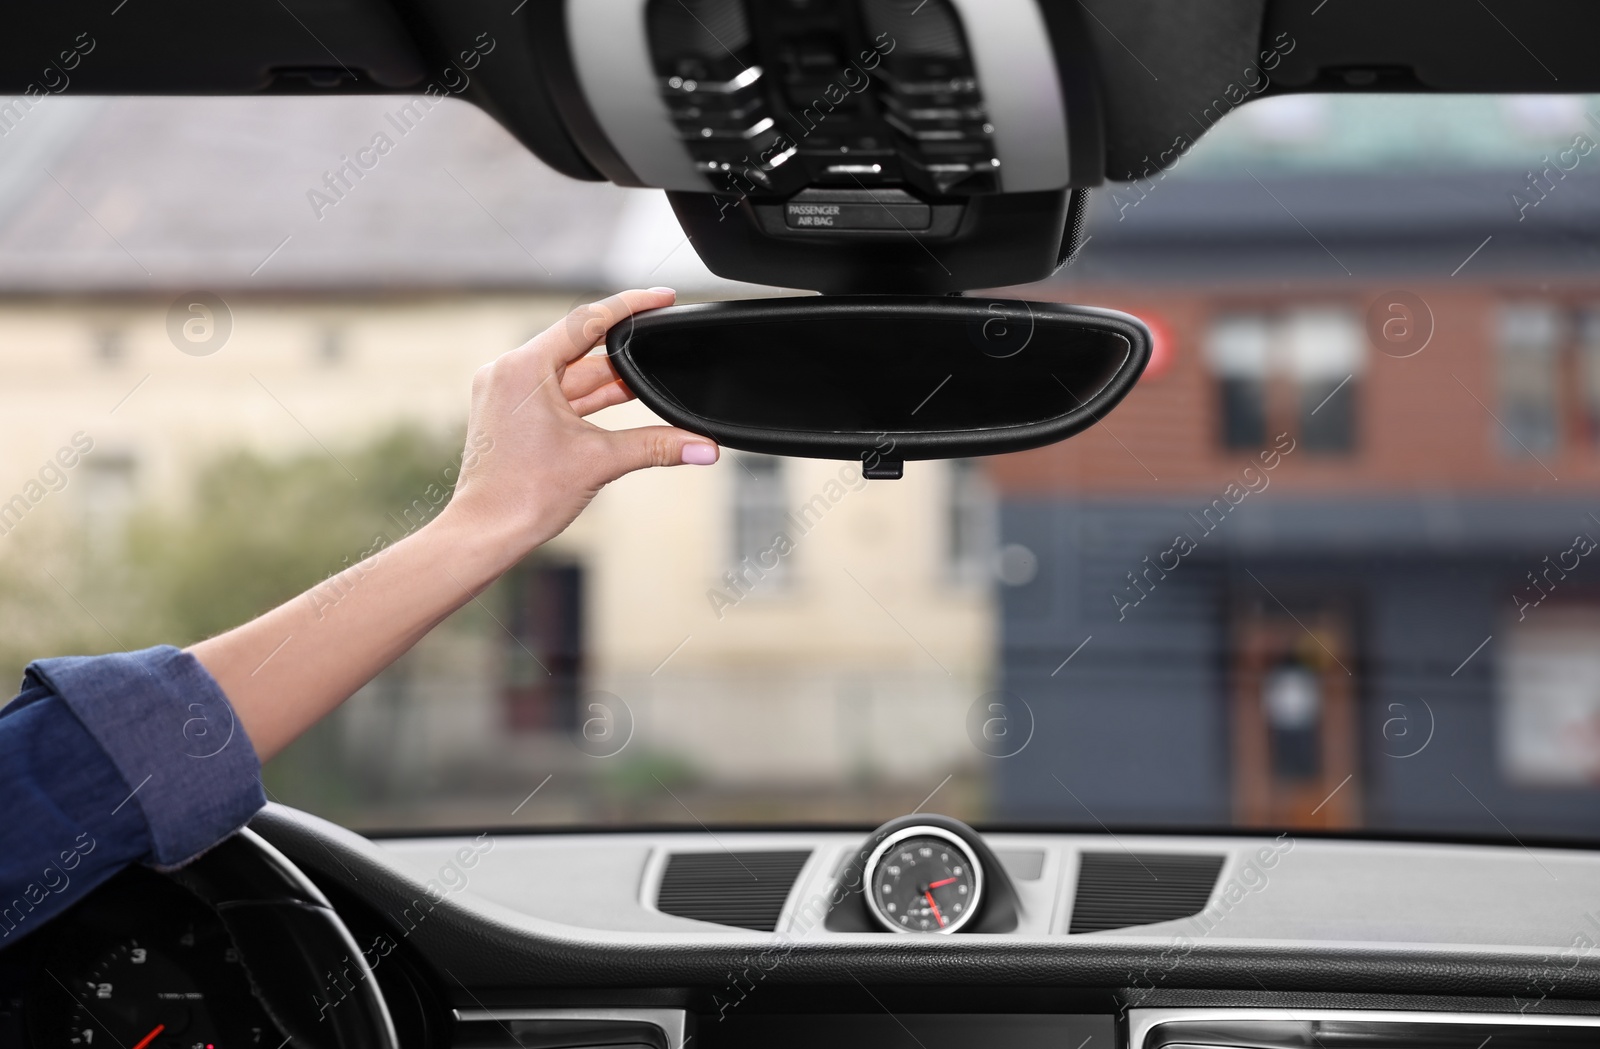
(929, 897)
(947, 881)
(147, 1039)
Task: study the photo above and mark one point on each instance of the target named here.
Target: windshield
(1328, 566)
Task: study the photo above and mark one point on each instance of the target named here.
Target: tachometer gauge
(923, 879)
(187, 994)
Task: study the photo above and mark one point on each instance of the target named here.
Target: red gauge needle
(147, 1039)
(947, 881)
(927, 896)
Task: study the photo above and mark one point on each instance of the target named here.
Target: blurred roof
(157, 194)
(150, 194)
(1254, 227)
(1397, 134)
(1325, 187)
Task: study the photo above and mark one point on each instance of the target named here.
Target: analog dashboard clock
(923, 879)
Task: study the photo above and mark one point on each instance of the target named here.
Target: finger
(657, 446)
(586, 375)
(607, 395)
(547, 355)
(586, 326)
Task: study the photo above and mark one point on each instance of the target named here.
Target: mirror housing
(881, 379)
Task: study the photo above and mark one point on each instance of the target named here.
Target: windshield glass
(1328, 566)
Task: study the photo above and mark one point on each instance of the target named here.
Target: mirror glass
(813, 374)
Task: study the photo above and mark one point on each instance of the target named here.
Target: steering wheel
(306, 967)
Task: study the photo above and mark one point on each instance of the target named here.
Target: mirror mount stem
(884, 470)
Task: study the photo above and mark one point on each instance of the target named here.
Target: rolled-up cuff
(173, 735)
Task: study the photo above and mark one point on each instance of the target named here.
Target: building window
(332, 347)
(1238, 349)
(1291, 700)
(544, 653)
(760, 511)
(970, 525)
(1324, 354)
(1589, 376)
(1294, 372)
(1530, 384)
(110, 347)
(1548, 375)
(1549, 698)
(108, 493)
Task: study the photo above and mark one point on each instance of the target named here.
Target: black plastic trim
(1108, 831)
(1319, 1033)
(509, 83)
(747, 888)
(554, 55)
(1001, 239)
(1118, 890)
(1072, 236)
(517, 1033)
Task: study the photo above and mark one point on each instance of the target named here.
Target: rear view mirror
(881, 379)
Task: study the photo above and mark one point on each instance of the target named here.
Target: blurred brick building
(1332, 557)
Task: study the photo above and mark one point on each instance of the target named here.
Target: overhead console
(846, 146)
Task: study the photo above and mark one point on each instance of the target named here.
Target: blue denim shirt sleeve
(134, 757)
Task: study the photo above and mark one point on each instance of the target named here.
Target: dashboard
(921, 934)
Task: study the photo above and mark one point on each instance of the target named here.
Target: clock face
(923, 879)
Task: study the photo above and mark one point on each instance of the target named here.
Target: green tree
(257, 531)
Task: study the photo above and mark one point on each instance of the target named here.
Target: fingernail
(699, 454)
(664, 291)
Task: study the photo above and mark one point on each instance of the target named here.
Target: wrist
(476, 549)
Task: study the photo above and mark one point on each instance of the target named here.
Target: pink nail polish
(699, 454)
(664, 291)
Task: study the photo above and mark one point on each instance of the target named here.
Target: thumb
(658, 446)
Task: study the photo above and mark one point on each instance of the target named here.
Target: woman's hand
(533, 461)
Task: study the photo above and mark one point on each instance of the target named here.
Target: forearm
(286, 669)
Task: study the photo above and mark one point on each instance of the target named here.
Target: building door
(1295, 755)
(544, 649)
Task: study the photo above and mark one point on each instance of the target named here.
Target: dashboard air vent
(746, 889)
(1119, 889)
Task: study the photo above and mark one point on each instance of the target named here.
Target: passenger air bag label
(856, 216)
